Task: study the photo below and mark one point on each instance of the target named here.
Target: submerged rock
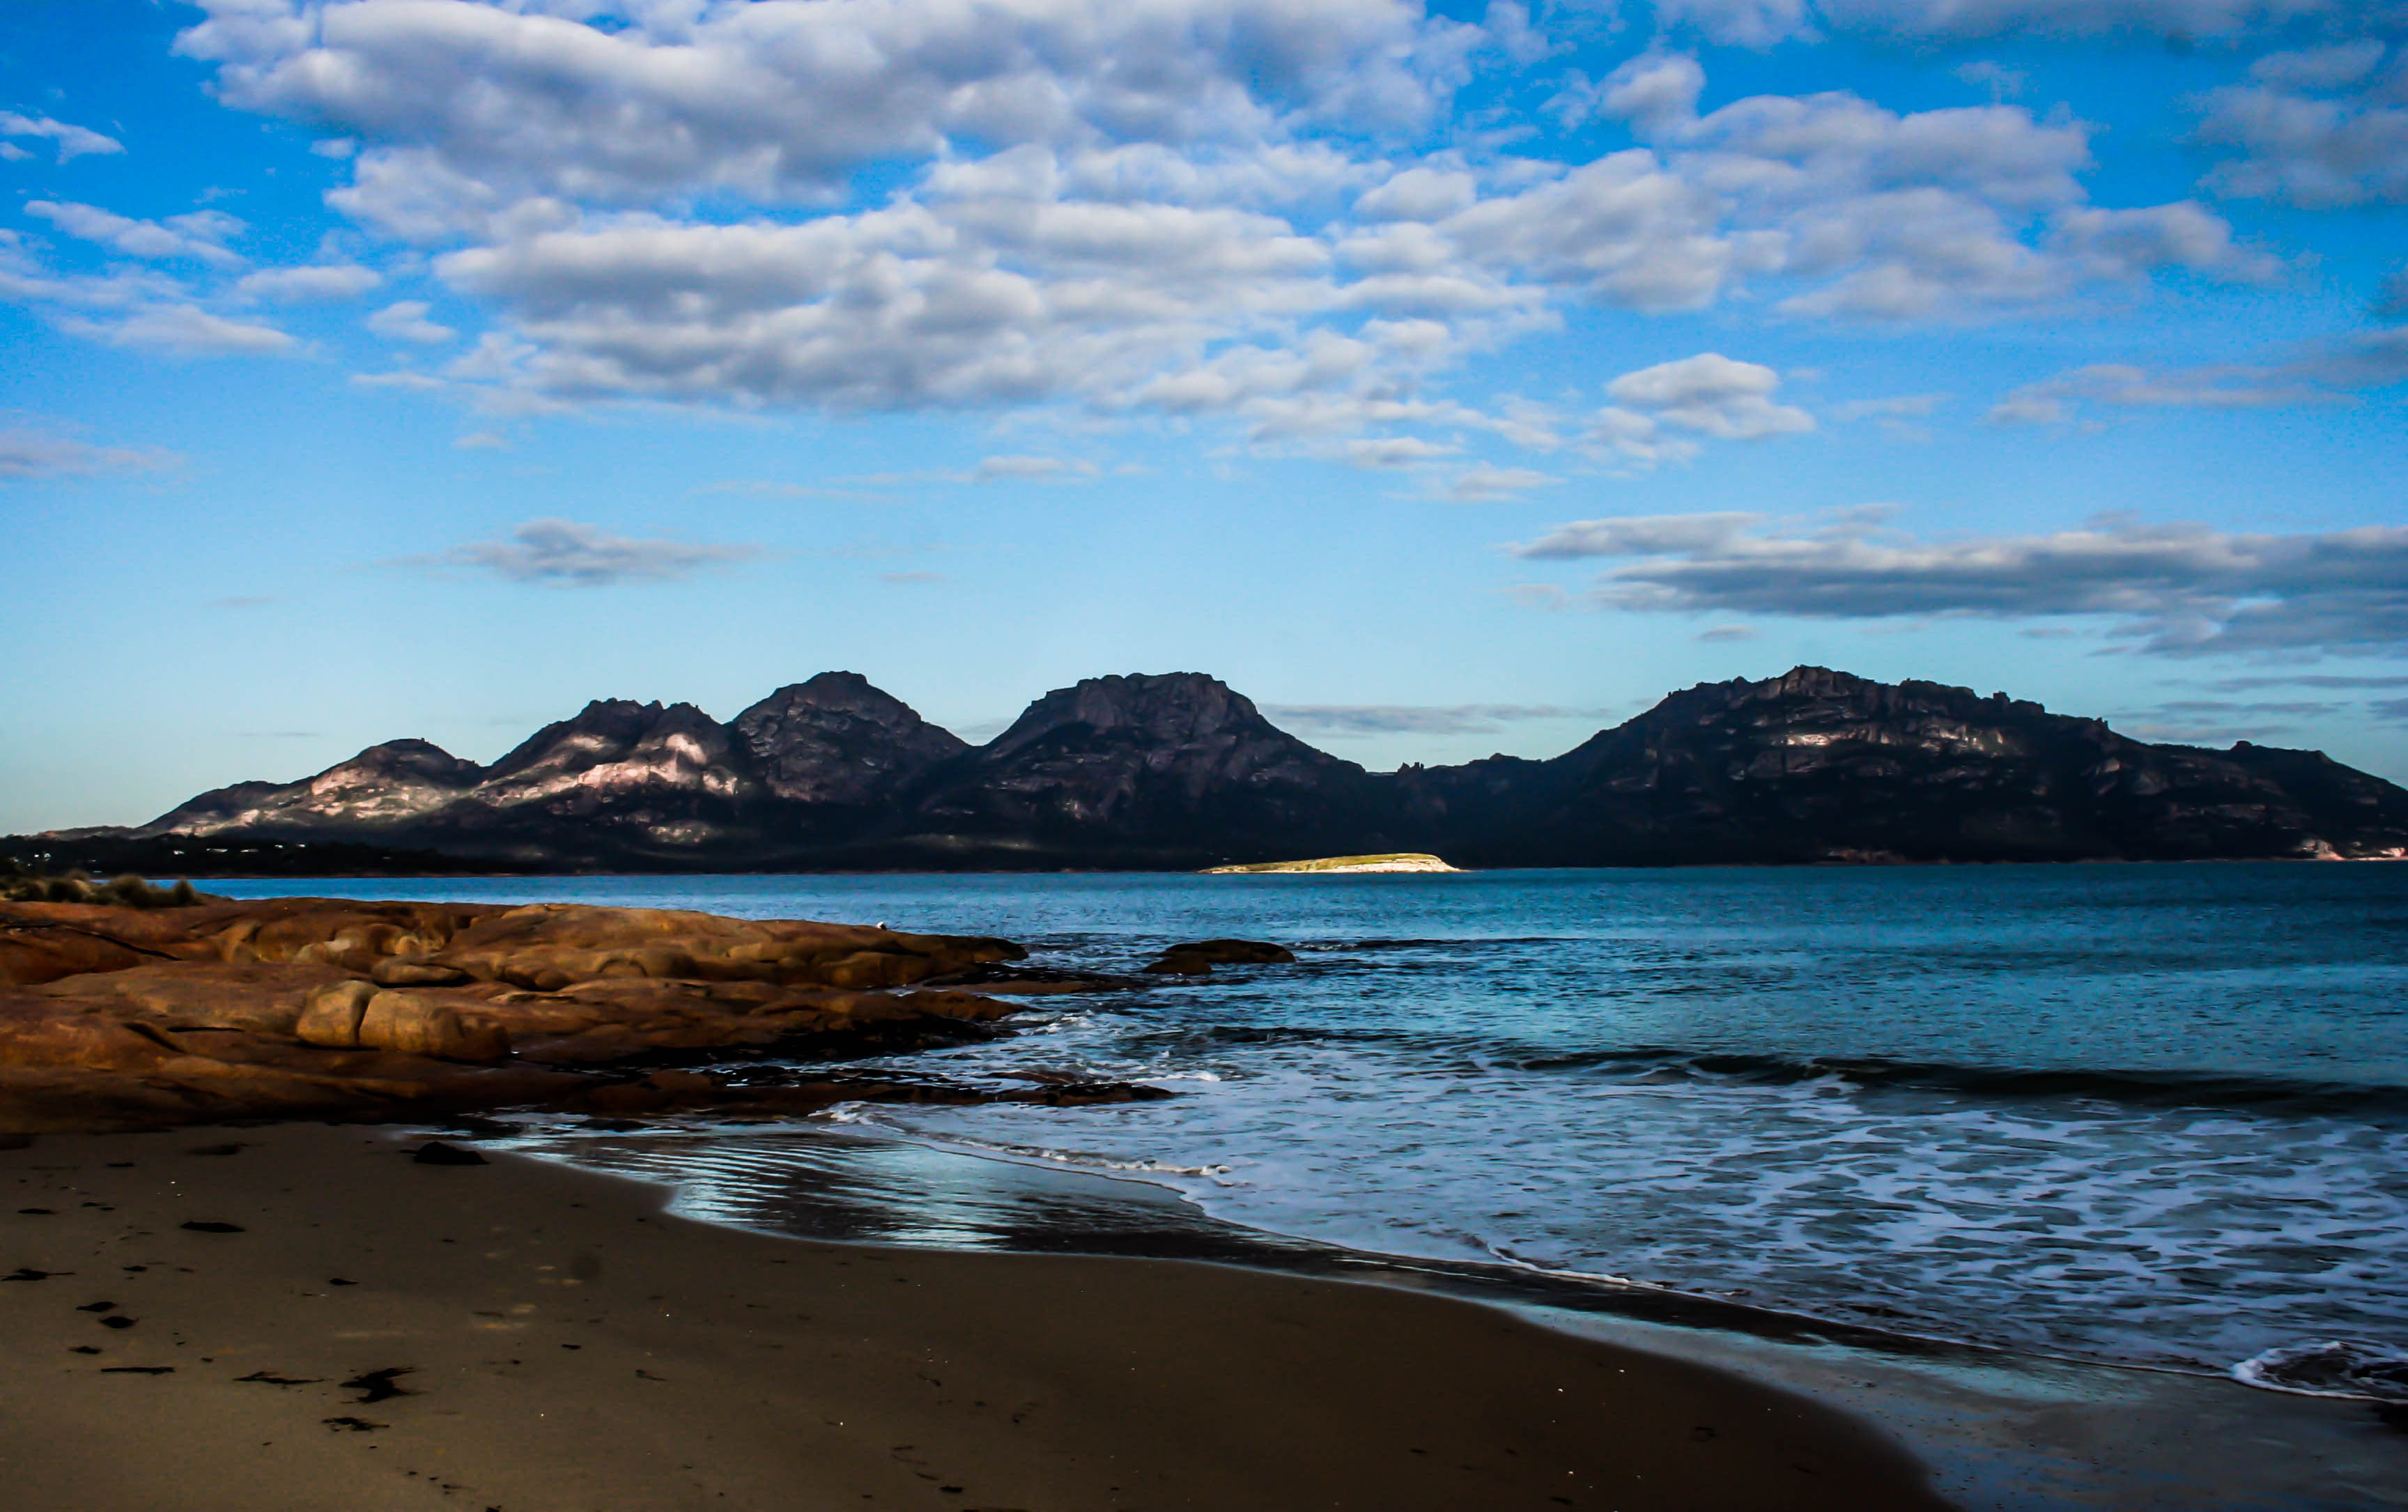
(1198, 958)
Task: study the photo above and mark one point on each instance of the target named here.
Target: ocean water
(2144, 1114)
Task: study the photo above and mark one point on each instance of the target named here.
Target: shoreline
(2000, 1429)
(522, 1335)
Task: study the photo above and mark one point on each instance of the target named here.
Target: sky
(1448, 379)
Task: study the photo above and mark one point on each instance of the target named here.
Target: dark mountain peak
(411, 757)
(1178, 770)
(1819, 703)
(1168, 709)
(837, 739)
(1148, 768)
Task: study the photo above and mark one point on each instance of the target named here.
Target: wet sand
(301, 1317)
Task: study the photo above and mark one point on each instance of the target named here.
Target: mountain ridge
(1179, 771)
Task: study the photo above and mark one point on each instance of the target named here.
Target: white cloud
(781, 100)
(2175, 589)
(1654, 89)
(1712, 393)
(200, 234)
(2060, 400)
(1656, 410)
(2325, 374)
(1030, 469)
(187, 331)
(1380, 453)
(1419, 194)
(565, 551)
(1747, 23)
(404, 320)
(1762, 22)
(2333, 66)
(1483, 485)
(319, 281)
(1114, 205)
(29, 451)
(73, 141)
(1622, 229)
(2303, 147)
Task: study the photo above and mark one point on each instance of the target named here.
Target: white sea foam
(2352, 1368)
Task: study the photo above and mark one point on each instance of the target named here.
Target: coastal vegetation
(22, 885)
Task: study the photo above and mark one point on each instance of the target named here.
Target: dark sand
(558, 1343)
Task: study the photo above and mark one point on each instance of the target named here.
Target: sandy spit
(303, 1318)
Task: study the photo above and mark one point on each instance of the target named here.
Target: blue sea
(2152, 1114)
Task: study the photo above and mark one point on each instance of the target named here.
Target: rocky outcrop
(115, 1016)
(1197, 958)
(1179, 771)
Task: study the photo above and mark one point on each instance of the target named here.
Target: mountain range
(1179, 771)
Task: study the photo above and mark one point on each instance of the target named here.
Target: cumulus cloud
(584, 556)
(1118, 205)
(200, 234)
(1656, 411)
(782, 100)
(1030, 469)
(404, 320)
(29, 451)
(1140, 224)
(1712, 393)
(2173, 589)
(317, 281)
(1326, 721)
(2063, 399)
(72, 141)
(2326, 374)
(1764, 22)
(2320, 129)
(1382, 453)
(1480, 485)
(1875, 214)
(187, 331)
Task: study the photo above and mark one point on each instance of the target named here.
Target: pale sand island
(1392, 862)
(272, 1314)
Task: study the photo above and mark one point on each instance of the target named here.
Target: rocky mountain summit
(1181, 772)
(1821, 766)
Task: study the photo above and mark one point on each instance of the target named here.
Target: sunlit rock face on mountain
(385, 785)
(836, 740)
(614, 750)
(1180, 770)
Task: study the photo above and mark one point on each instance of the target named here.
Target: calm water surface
(2149, 1114)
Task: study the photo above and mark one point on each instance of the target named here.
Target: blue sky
(1448, 379)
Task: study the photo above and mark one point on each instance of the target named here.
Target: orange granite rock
(326, 1007)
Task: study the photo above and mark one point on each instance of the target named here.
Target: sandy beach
(303, 1315)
